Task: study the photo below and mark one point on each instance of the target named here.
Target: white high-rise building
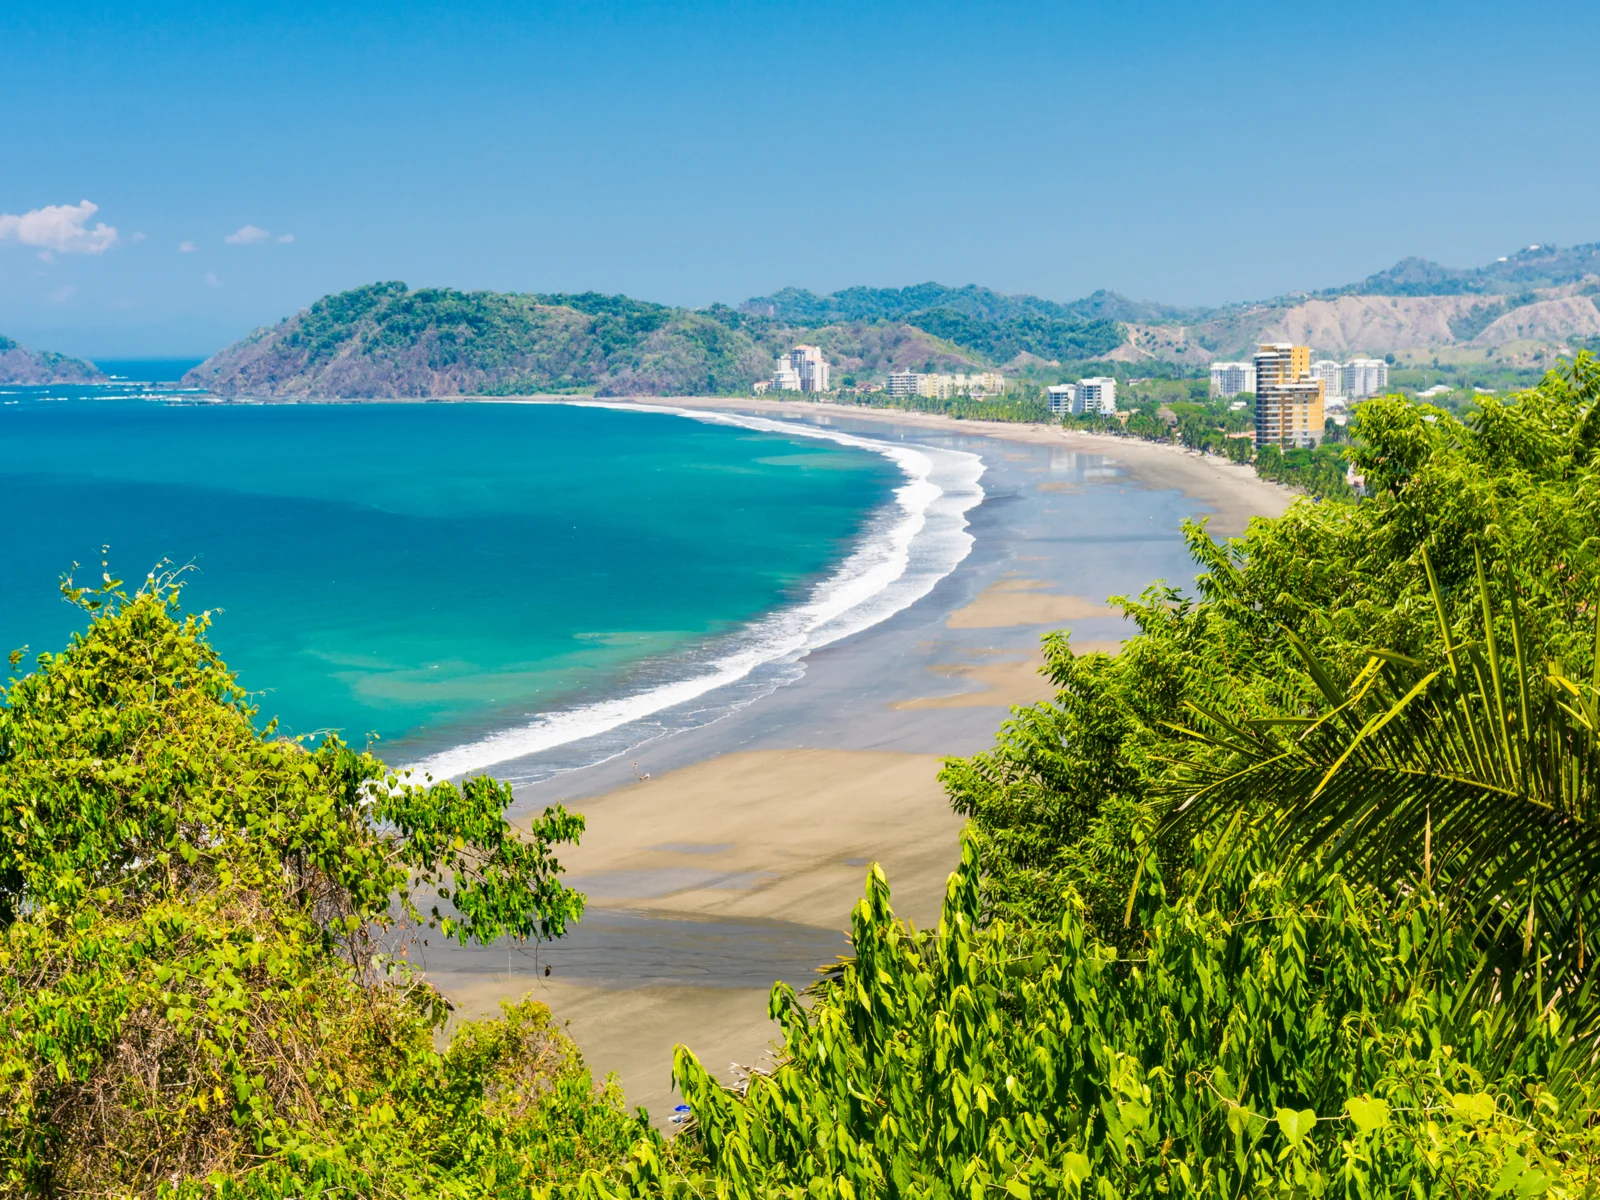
(1332, 376)
(1365, 377)
(803, 369)
(1063, 398)
(1099, 394)
(1095, 395)
(812, 368)
(1228, 379)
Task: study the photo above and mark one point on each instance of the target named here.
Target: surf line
(920, 538)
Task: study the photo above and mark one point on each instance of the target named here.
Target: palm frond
(1474, 777)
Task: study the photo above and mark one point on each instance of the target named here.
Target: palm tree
(1473, 777)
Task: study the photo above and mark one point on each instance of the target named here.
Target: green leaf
(1367, 1114)
(1476, 1107)
(1076, 1166)
(1295, 1125)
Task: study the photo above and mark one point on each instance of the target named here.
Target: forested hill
(1525, 308)
(18, 364)
(800, 307)
(387, 340)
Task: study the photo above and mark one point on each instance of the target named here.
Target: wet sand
(1010, 602)
(719, 872)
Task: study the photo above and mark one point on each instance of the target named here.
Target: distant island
(387, 340)
(20, 365)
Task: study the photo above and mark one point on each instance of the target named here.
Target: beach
(726, 856)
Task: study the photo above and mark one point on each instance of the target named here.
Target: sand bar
(783, 835)
(1024, 602)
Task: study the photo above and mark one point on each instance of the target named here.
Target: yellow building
(1288, 399)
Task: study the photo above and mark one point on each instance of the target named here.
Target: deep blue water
(424, 571)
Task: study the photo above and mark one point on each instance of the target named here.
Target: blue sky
(1194, 153)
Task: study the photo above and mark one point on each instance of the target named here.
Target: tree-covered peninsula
(388, 340)
(1293, 896)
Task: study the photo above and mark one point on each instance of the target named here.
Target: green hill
(387, 340)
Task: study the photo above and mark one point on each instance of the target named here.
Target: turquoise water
(425, 571)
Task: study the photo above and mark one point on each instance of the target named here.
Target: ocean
(475, 585)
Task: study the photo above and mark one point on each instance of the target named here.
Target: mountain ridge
(388, 340)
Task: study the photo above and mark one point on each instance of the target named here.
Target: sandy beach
(727, 856)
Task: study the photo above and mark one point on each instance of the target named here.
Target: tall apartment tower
(1228, 379)
(803, 369)
(1366, 376)
(1288, 397)
(1332, 375)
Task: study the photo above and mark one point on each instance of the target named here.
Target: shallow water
(428, 572)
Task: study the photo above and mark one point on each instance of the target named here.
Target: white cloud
(246, 235)
(187, 247)
(285, 238)
(60, 227)
(211, 278)
(138, 237)
(61, 295)
(45, 256)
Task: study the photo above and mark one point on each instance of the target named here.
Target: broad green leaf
(1367, 1114)
(1294, 1124)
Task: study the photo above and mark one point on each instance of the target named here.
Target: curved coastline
(906, 549)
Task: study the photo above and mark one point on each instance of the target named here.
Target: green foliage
(1291, 1035)
(1319, 470)
(1473, 775)
(1000, 341)
(1024, 410)
(198, 934)
(801, 307)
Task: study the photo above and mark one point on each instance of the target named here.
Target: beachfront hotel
(1289, 398)
(803, 369)
(1097, 394)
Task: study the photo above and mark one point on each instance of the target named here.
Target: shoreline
(718, 856)
(904, 549)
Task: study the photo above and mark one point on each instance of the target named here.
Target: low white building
(937, 386)
(1228, 379)
(903, 383)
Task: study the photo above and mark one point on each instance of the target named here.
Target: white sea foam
(907, 549)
